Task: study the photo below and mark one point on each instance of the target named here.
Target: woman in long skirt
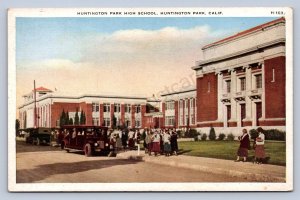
(259, 146)
(244, 146)
(156, 143)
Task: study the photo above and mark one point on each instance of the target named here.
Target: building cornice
(81, 97)
(201, 64)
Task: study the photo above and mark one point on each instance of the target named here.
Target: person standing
(244, 146)
(124, 139)
(259, 146)
(174, 144)
(167, 145)
(161, 142)
(156, 143)
(148, 141)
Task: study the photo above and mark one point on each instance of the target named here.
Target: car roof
(83, 126)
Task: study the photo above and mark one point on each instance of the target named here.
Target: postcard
(150, 99)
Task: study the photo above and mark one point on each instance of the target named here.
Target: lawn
(227, 150)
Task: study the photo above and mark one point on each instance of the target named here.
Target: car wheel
(88, 150)
(62, 145)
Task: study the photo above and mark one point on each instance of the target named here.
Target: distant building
(99, 109)
(179, 109)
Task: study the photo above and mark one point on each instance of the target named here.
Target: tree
(67, 118)
(84, 118)
(81, 117)
(17, 125)
(71, 121)
(76, 118)
(212, 134)
(62, 120)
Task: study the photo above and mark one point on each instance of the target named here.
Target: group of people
(162, 141)
(258, 146)
(157, 141)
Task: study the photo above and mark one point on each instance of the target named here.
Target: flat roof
(245, 32)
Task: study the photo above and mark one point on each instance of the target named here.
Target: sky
(122, 56)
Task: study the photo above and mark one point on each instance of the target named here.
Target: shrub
(180, 133)
(212, 134)
(230, 137)
(275, 134)
(221, 136)
(253, 133)
(192, 133)
(271, 134)
(203, 136)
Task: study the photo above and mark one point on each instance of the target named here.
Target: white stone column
(238, 110)
(220, 93)
(225, 121)
(233, 92)
(248, 92)
(263, 102)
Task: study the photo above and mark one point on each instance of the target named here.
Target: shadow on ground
(181, 151)
(23, 147)
(44, 171)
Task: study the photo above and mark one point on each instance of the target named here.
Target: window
(95, 121)
(193, 119)
(228, 86)
(181, 104)
(258, 81)
(106, 107)
(181, 120)
(192, 105)
(138, 123)
(273, 75)
(117, 107)
(138, 109)
(128, 121)
(170, 105)
(208, 86)
(127, 108)
(107, 122)
(243, 83)
(186, 104)
(95, 107)
(243, 111)
(118, 121)
(187, 123)
(170, 120)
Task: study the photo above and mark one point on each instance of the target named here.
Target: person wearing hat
(244, 146)
(259, 146)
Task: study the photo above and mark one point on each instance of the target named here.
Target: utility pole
(35, 115)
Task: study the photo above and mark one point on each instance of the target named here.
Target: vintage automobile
(37, 135)
(90, 139)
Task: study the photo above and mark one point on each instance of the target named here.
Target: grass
(227, 150)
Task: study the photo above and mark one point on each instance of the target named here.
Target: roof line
(191, 90)
(245, 32)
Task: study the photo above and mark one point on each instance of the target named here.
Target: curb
(218, 171)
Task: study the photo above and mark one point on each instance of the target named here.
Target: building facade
(240, 83)
(104, 110)
(179, 109)
(241, 80)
